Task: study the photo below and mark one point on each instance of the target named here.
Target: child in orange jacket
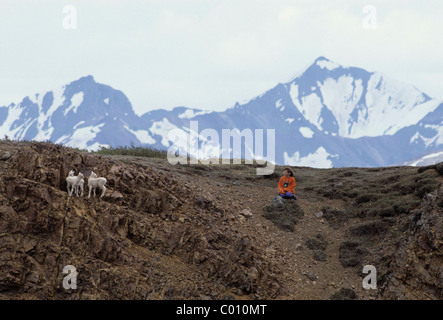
(286, 185)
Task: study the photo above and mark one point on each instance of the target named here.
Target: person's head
(288, 172)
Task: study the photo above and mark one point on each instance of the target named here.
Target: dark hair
(290, 171)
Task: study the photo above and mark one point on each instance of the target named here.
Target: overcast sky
(211, 53)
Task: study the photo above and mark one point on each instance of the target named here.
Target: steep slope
(151, 237)
(417, 267)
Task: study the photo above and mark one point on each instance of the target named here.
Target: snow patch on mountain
(327, 64)
(319, 159)
(76, 100)
(310, 106)
(81, 138)
(426, 160)
(142, 135)
(306, 132)
(417, 137)
(293, 93)
(78, 124)
(188, 114)
(342, 105)
(162, 128)
(6, 129)
(44, 124)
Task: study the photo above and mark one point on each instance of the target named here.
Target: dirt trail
(287, 249)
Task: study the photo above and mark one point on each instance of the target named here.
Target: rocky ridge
(215, 232)
(150, 237)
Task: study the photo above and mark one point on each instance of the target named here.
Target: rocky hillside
(214, 232)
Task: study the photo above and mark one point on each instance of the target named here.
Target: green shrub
(133, 151)
(367, 197)
(369, 228)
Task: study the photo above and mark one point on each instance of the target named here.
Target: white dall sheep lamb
(74, 182)
(95, 182)
(79, 185)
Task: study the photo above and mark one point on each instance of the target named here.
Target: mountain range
(328, 115)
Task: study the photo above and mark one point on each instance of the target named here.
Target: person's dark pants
(286, 195)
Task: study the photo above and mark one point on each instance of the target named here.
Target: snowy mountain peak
(323, 63)
(328, 115)
(352, 102)
(74, 115)
(85, 80)
(321, 58)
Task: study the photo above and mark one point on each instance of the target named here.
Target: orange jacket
(290, 185)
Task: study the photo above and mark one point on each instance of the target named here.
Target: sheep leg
(103, 191)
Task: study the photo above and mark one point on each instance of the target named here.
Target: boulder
(284, 213)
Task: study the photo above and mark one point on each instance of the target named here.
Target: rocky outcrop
(159, 234)
(151, 236)
(417, 266)
(284, 213)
